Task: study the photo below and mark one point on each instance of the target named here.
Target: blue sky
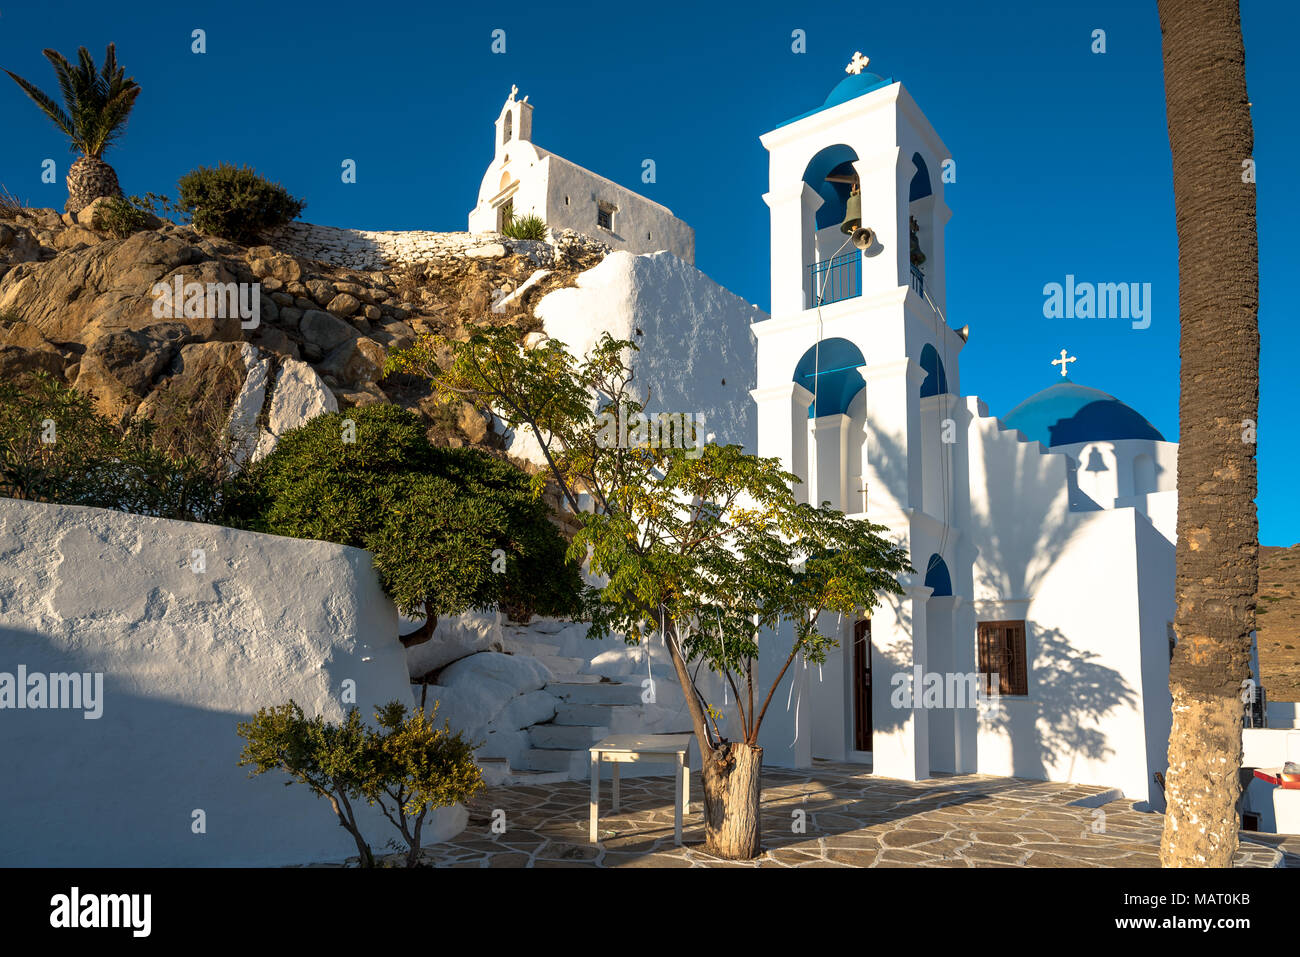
(1062, 154)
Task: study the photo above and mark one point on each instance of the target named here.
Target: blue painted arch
(920, 185)
(835, 196)
(936, 380)
(833, 373)
(937, 577)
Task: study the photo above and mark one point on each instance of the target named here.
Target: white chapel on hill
(523, 179)
(1043, 541)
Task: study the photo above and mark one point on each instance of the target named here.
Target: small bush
(235, 203)
(525, 227)
(404, 768)
(54, 447)
(121, 217)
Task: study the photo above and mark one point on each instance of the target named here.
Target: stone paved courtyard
(851, 819)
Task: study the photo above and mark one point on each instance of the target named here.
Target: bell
(852, 213)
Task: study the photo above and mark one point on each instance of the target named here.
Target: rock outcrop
(301, 323)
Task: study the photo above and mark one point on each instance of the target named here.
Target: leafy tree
(235, 203)
(405, 767)
(96, 104)
(450, 529)
(1217, 561)
(709, 551)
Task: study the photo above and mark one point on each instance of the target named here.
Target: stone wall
(365, 249)
(185, 655)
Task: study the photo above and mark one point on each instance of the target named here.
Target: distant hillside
(1279, 621)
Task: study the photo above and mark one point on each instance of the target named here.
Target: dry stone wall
(365, 249)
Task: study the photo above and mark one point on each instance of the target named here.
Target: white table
(631, 748)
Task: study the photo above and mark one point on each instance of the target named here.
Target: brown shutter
(1002, 650)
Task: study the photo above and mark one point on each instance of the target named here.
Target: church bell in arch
(852, 212)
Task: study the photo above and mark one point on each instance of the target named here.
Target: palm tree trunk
(89, 178)
(1211, 137)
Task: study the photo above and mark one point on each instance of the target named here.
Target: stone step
(574, 679)
(562, 666)
(566, 737)
(600, 692)
(529, 646)
(619, 718)
(496, 771)
(574, 764)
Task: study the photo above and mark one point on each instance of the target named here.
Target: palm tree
(1211, 140)
(96, 105)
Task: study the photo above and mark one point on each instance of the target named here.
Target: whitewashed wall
(185, 657)
(696, 354)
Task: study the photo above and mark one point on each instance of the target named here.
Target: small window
(647, 235)
(1002, 652)
(605, 217)
(566, 201)
(506, 128)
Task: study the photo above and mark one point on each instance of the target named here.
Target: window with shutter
(1002, 652)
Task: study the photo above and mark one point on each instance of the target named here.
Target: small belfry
(524, 180)
(1017, 527)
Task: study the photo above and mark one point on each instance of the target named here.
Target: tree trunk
(1211, 138)
(732, 787)
(88, 179)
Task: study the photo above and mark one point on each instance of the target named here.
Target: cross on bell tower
(1063, 362)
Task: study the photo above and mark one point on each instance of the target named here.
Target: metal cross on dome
(857, 64)
(1063, 362)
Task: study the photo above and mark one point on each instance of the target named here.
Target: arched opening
(831, 371)
(1144, 475)
(937, 577)
(936, 380)
(920, 199)
(835, 271)
(507, 125)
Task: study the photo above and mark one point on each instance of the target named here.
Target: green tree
(450, 529)
(705, 548)
(95, 108)
(405, 767)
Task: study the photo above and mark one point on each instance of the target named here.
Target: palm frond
(96, 102)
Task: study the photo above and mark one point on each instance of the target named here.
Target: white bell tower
(857, 374)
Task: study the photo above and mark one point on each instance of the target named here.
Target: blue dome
(1066, 413)
(854, 85)
(851, 86)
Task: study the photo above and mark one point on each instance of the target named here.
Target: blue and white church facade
(1043, 542)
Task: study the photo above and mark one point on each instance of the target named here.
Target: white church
(1043, 541)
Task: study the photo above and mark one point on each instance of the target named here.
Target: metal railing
(838, 278)
(918, 282)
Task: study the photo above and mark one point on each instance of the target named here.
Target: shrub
(54, 447)
(235, 203)
(525, 227)
(121, 217)
(450, 529)
(405, 767)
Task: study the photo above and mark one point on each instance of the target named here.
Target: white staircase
(592, 707)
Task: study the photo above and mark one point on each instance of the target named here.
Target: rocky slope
(1278, 621)
(80, 304)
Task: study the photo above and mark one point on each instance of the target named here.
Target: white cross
(1062, 362)
(857, 64)
(513, 90)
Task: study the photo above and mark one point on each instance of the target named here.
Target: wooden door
(862, 685)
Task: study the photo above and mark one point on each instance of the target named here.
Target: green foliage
(54, 447)
(525, 227)
(405, 767)
(235, 203)
(433, 517)
(95, 104)
(121, 217)
(708, 548)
